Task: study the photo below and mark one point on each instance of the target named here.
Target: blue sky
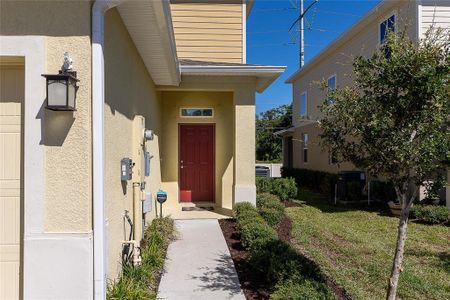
(270, 43)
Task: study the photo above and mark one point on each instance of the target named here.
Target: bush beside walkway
(286, 273)
(141, 282)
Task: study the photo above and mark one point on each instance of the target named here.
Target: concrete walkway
(199, 265)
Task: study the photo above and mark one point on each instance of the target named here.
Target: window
(197, 112)
(303, 105)
(387, 26)
(305, 147)
(332, 158)
(331, 86)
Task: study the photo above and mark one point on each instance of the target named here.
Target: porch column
(244, 145)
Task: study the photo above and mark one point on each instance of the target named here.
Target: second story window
(305, 147)
(387, 26)
(331, 86)
(303, 104)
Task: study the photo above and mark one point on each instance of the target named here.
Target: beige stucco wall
(339, 62)
(222, 103)
(208, 30)
(129, 91)
(66, 136)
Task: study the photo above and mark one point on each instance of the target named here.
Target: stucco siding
(338, 62)
(129, 92)
(208, 31)
(65, 135)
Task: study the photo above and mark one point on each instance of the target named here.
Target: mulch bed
(252, 285)
(284, 230)
(292, 204)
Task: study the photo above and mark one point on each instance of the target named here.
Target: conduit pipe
(98, 148)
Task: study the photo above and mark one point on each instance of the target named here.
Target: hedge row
(270, 208)
(287, 274)
(322, 182)
(433, 214)
(284, 188)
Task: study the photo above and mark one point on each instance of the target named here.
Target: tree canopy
(393, 121)
(268, 145)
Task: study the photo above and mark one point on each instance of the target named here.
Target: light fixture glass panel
(57, 93)
(71, 96)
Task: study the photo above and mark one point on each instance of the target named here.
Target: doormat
(191, 208)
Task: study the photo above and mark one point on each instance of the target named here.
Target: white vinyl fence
(275, 169)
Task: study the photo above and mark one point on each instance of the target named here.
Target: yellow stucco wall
(244, 132)
(66, 136)
(129, 91)
(339, 62)
(222, 103)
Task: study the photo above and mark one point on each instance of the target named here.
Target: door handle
(181, 167)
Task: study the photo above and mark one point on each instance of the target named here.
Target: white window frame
(384, 19)
(306, 105)
(335, 79)
(196, 117)
(335, 83)
(305, 147)
(330, 158)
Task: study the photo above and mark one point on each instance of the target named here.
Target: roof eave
(264, 75)
(149, 24)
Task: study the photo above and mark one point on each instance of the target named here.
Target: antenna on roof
(301, 29)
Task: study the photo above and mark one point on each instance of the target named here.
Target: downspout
(98, 149)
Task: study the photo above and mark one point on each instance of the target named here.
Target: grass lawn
(356, 247)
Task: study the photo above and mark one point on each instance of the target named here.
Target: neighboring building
(301, 147)
(177, 69)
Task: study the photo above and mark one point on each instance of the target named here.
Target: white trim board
(32, 48)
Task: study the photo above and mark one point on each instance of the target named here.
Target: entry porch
(207, 141)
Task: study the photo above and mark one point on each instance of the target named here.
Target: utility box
(126, 166)
(147, 203)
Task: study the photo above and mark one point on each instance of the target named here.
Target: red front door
(196, 162)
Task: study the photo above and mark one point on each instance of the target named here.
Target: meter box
(161, 197)
(147, 203)
(126, 165)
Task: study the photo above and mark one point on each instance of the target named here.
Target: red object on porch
(196, 165)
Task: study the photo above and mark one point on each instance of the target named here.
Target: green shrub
(274, 260)
(270, 208)
(241, 208)
(264, 184)
(278, 261)
(267, 200)
(271, 215)
(128, 289)
(285, 188)
(433, 214)
(255, 233)
(252, 228)
(303, 290)
(141, 282)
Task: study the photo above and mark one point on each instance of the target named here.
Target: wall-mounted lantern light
(62, 87)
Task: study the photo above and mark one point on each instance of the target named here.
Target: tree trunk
(398, 258)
